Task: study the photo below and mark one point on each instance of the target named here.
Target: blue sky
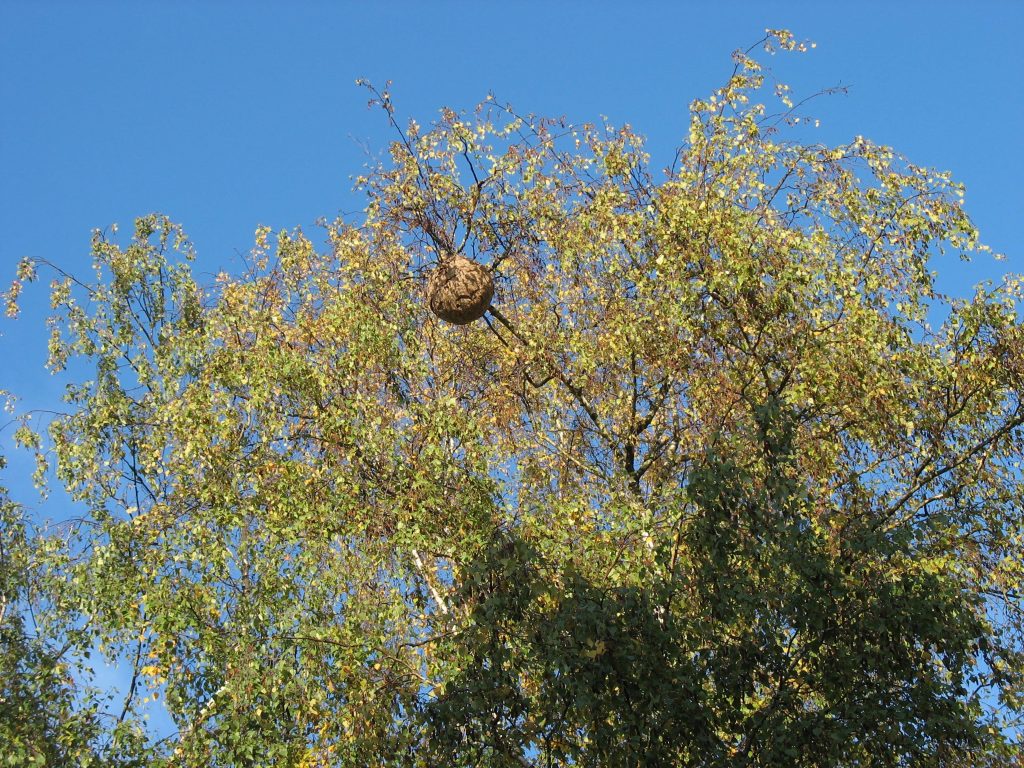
(227, 115)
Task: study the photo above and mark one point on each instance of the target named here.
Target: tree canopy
(721, 478)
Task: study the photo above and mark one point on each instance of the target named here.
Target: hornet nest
(460, 290)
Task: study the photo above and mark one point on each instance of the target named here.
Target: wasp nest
(460, 290)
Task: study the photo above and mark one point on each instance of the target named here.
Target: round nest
(460, 290)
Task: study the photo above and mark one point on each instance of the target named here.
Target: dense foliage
(722, 480)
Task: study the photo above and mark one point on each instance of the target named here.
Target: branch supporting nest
(497, 315)
(577, 393)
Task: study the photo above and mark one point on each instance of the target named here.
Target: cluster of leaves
(48, 715)
(723, 479)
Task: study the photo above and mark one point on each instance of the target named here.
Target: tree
(720, 479)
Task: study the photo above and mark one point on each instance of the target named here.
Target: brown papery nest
(460, 290)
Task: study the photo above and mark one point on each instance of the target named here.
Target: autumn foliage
(722, 479)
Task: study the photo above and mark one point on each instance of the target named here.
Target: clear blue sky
(226, 115)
